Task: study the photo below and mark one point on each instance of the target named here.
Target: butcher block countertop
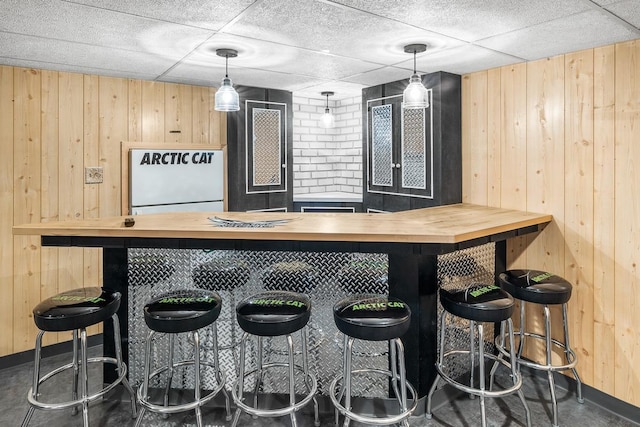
(443, 224)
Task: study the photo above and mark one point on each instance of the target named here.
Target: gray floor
(460, 412)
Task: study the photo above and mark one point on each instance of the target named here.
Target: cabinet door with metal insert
(266, 146)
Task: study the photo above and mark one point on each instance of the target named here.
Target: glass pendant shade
(327, 120)
(227, 98)
(415, 95)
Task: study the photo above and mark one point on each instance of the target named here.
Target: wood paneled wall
(52, 126)
(561, 136)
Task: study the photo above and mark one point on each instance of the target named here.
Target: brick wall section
(327, 160)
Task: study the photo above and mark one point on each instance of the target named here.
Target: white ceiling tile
(301, 45)
(83, 24)
(585, 30)
(470, 20)
(320, 26)
(239, 76)
(629, 9)
(276, 57)
(198, 13)
(69, 54)
(462, 60)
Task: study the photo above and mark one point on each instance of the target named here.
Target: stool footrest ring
(69, 404)
(185, 406)
(393, 419)
(572, 360)
(475, 391)
(313, 388)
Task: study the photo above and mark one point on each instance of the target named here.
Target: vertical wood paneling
(581, 159)
(578, 233)
(545, 171)
(59, 124)
(71, 161)
(627, 221)
(135, 110)
(7, 313)
(26, 202)
(114, 128)
(494, 137)
(178, 113)
(50, 184)
(200, 115)
(474, 137)
(604, 280)
(545, 159)
(513, 150)
(92, 258)
(218, 127)
(153, 111)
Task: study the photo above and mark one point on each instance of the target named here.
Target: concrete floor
(460, 412)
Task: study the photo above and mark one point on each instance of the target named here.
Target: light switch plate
(93, 175)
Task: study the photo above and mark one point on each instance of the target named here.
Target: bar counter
(414, 242)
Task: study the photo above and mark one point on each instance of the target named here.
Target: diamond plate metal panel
(267, 147)
(381, 145)
(414, 148)
(325, 277)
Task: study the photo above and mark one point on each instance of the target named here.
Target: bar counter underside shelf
(410, 253)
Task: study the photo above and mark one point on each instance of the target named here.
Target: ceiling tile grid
(305, 46)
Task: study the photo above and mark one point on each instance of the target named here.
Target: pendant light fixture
(227, 98)
(327, 120)
(415, 95)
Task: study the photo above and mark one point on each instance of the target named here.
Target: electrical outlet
(93, 175)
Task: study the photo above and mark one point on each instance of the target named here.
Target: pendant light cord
(226, 66)
(414, 62)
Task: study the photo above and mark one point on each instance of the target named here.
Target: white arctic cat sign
(166, 177)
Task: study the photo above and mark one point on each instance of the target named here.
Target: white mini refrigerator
(175, 180)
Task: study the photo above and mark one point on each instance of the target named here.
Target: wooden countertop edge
(444, 224)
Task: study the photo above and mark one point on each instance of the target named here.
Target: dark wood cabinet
(259, 151)
(412, 158)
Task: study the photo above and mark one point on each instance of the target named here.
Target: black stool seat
(182, 311)
(294, 276)
(479, 302)
(221, 274)
(76, 309)
(372, 317)
(536, 286)
(274, 313)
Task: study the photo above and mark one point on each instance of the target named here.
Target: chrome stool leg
(568, 352)
(240, 381)
(85, 376)
(143, 392)
(36, 378)
(121, 366)
(196, 362)
(219, 379)
(76, 371)
(170, 367)
(440, 364)
(304, 335)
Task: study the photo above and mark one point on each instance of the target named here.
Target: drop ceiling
(304, 46)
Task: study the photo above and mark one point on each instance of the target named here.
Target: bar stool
(183, 311)
(478, 303)
(274, 314)
(75, 310)
(373, 318)
(224, 274)
(543, 288)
